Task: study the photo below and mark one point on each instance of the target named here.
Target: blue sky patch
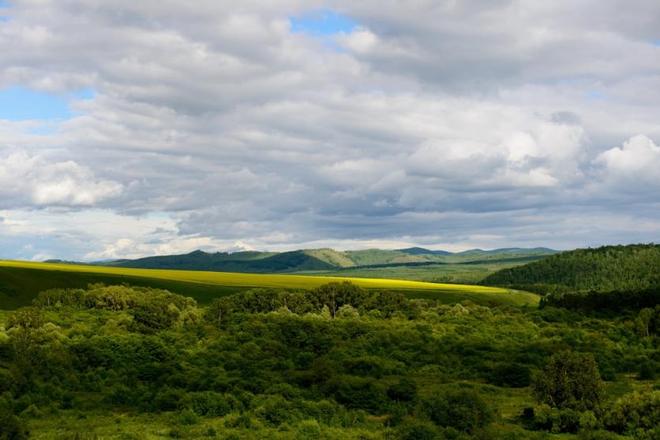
(322, 22)
(595, 95)
(20, 103)
(3, 6)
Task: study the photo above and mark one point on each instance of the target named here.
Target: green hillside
(326, 260)
(604, 269)
(332, 257)
(21, 281)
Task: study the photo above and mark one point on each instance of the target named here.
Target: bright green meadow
(21, 281)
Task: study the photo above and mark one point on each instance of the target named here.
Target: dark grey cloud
(472, 123)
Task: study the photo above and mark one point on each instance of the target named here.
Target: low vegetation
(335, 361)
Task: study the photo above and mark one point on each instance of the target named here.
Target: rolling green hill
(21, 281)
(604, 269)
(326, 260)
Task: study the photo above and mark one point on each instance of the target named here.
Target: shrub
(463, 410)
(648, 370)
(188, 417)
(634, 411)
(167, 399)
(308, 430)
(417, 430)
(347, 311)
(358, 393)
(588, 421)
(597, 435)
(563, 420)
(243, 421)
(370, 366)
(275, 410)
(27, 318)
(207, 403)
(12, 427)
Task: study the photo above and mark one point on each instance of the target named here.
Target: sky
(154, 127)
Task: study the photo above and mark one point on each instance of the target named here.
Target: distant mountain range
(318, 260)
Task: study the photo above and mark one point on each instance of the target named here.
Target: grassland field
(458, 273)
(21, 281)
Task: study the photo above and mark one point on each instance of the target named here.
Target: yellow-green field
(22, 280)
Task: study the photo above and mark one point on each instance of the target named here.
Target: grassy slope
(461, 273)
(21, 281)
(331, 256)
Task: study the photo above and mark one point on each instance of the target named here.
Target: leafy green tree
(644, 320)
(570, 380)
(335, 295)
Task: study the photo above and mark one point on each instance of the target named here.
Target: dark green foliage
(570, 380)
(608, 301)
(557, 420)
(26, 319)
(648, 370)
(152, 309)
(512, 375)
(609, 277)
(635, 413)
(331, 296)
(279, 365)
(460, 409)
(358, 393)
(167, 399)
(403, 391)
(418, 430)
(207, 403)
(188, 417)
(12, 427)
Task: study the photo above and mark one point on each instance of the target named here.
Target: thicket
(329, 362)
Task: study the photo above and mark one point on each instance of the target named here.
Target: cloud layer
(447, 124)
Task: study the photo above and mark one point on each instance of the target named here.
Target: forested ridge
(604, 269)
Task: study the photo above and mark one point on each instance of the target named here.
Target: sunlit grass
(239, 281)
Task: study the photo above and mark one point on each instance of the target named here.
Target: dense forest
(334, 362)
(609, 277)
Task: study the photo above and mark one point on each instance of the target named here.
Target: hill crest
(322, 259)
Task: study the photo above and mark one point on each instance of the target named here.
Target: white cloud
(34, 179)
(638, 159)
(435, 122)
